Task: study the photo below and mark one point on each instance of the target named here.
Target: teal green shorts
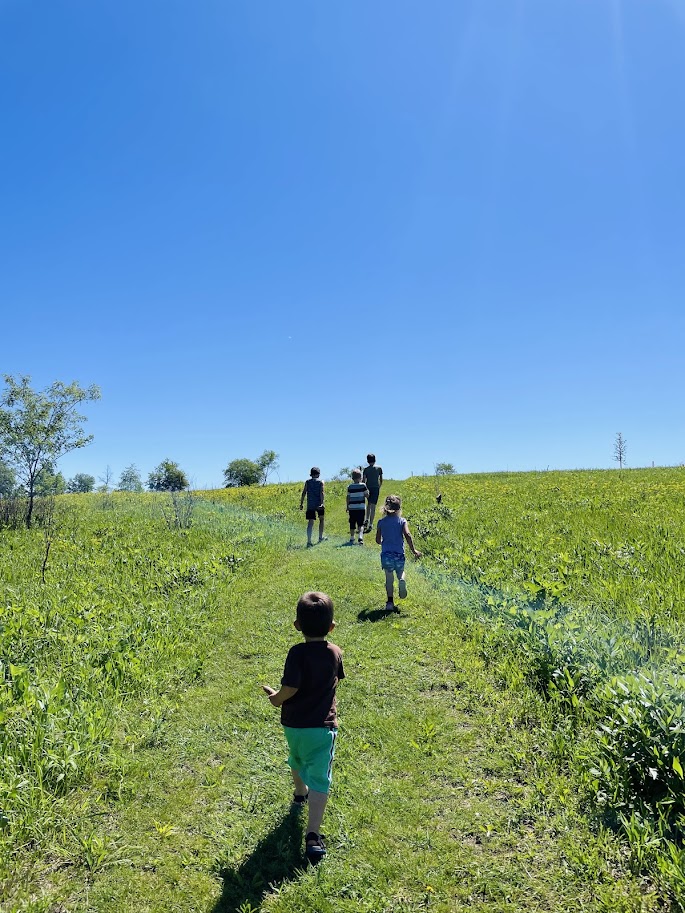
(311, 755)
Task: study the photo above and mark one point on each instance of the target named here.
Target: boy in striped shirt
(357, 493)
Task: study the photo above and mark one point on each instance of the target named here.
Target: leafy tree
(444, 469)
(81, 483)
(268, 463)
(8, 480)
(37, 428)
(130, 479)
(242, 472)
(168, 476)
(48, 482)
(344, 474)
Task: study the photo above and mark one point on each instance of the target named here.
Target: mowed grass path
(437, 802)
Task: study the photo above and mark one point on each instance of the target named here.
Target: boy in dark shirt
(313, 490)
(308, 711)
(373, 479)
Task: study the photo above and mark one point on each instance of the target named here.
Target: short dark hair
(315, 614)
(371, 457)
(315, 471)
(356, 473)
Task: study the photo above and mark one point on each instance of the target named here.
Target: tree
(37, 428)
(106, 480)
(268, 463)
(130, 479)
(444, 469)
(81, 483)
(49, 483)
(344, 474)
(242, 472)
(168, 476)
(8, 480)
(620, 449)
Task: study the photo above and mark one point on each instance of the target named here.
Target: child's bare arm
(323, 487)
(304, 492)
(408, 537)
(378, 535)
(279, 697)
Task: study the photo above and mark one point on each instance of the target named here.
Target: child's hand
(271, 693)
(417, 554)
(300, 507)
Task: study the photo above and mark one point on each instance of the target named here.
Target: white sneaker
(402, 589)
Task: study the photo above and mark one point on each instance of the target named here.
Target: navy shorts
(311, 514)
(374, 494)
(357, 518)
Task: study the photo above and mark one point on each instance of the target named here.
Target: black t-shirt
(314, 667)
(372, 475)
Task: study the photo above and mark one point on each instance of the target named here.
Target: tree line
(39, 427)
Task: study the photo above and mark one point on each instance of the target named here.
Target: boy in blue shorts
(391, 532)
(308, 711)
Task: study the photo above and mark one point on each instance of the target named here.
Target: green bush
(640, 760)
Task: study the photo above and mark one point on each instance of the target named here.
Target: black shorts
(374, 494)
(357, 518)
(311, 514)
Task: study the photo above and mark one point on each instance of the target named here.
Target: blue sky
(441, 231)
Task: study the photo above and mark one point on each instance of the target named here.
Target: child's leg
(389, 584)
(310, 527)
(321, 522)
(360, 530)
(317, 806)
(371, 514)
(299, 784)
(402, 584)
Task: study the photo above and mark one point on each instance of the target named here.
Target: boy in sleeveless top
(308, 711)
(391, 532)
(357, 493)
(373, 479)
(313, 489)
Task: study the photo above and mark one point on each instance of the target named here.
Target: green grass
(457, 782)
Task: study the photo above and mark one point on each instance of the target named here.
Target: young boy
(313, 489)
(308, 711)
(391, 532)
(373, 479)
(357, 493)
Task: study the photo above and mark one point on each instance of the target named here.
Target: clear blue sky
(443, 231)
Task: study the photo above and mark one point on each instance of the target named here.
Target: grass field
(513, 740)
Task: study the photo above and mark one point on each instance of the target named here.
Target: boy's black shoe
(300, 801)
(315, 847)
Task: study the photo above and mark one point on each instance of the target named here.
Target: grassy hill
(513, 740)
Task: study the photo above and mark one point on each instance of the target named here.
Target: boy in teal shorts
(308, 711)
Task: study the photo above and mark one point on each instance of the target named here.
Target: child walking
(391, 532)
(308, 711)
(357, 493)
(373, 478)
(313, 489)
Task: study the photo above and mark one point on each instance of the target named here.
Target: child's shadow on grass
(276, 858)
(376, 614)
